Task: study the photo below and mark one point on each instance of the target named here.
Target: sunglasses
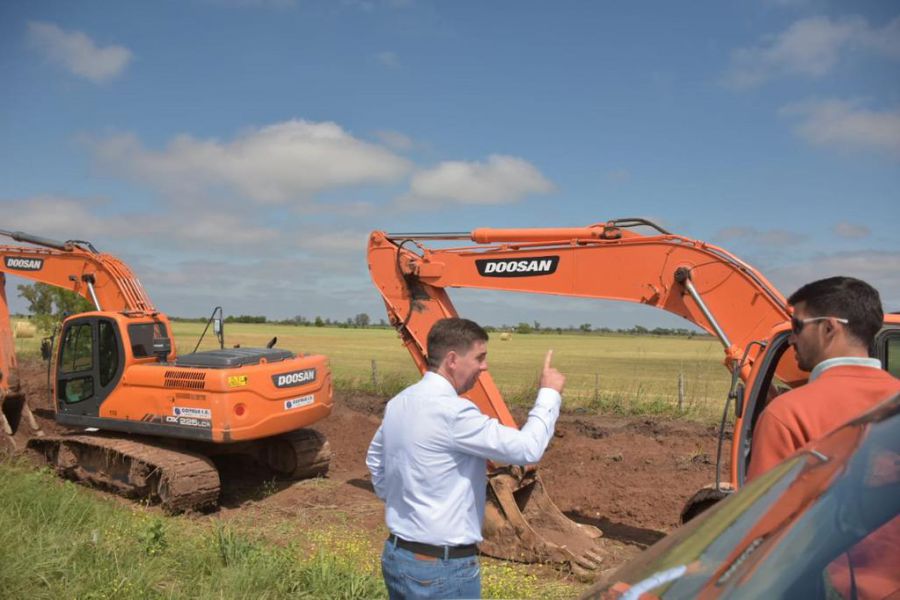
(797, 324)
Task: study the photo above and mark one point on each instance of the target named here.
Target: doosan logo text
(295, 378)
(24, 264)
(526, 267)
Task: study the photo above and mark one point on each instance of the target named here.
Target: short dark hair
(454, 334)
(847, 298)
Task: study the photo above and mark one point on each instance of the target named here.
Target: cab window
(78, 349)
(892, 356)
(77, 390)
(109, 352)
(142, 336)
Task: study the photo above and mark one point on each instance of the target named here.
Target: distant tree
(537, 325)
(361, 320)
(246, 319)
(523, 328)
(50, 304)
(319, 322)
(585, 327)
(382, 323)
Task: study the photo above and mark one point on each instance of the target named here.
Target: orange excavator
(145, 421)
(702, 283)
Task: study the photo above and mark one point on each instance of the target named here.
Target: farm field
(623, 374)
(623, 459)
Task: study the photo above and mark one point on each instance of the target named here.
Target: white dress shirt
(428, 459)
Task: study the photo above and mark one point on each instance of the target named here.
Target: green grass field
(60, 540)
(621, 374)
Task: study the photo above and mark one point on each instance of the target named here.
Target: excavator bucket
(523, 524)
(13, 408)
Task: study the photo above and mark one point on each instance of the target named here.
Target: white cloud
(278, 4)
(851, 231)
(65, 218)
(619, 175)
(810, 47)
(388, 59)
(286, 161)
(395, 140)
(78, 53)
(62, 218)
(880, 269)
(757, 237)
(846, 125)
(500, 180)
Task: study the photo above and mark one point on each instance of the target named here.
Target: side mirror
(46, 348)
(217, 326)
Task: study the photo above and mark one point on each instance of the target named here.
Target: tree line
(49, 304)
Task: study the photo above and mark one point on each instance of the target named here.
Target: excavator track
(300, 454)
(177, 479)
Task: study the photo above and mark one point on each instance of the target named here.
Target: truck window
(78, 349)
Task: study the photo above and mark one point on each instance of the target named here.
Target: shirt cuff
(548, 398)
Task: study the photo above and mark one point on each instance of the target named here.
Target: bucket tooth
(523, 524)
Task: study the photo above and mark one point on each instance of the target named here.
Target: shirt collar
(440, 381)
(843, 361)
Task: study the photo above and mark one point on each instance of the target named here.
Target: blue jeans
(408, 577)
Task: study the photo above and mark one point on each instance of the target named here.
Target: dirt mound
(629, 477)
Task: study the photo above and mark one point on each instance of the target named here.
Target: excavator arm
(700, 282)
(102, 279)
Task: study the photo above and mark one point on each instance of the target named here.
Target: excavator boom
(102, 279)
(700, 282)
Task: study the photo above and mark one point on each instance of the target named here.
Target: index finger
(548, 359)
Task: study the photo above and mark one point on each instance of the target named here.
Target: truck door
(90, 365)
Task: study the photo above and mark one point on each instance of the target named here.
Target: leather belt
(444, 552)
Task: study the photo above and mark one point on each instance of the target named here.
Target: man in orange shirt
(834, 324)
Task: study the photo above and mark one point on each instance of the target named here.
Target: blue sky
(238, 152)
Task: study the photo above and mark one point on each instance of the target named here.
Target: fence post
(596, 386)
(680, 391)
(374, 376)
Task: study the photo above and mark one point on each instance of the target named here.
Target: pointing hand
(550, 377)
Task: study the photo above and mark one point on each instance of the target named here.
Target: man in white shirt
(428, 464)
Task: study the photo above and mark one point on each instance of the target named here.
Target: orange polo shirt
(792, 420)
(809, 412)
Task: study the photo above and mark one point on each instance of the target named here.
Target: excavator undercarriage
(180, 477)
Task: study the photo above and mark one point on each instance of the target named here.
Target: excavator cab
(91, 358)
